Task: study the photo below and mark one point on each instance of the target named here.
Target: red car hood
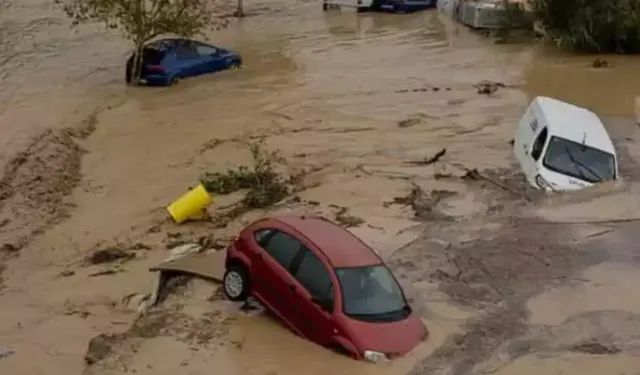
(393, 339)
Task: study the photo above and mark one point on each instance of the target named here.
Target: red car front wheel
(235, 283)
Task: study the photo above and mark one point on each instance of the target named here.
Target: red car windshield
(371, 293)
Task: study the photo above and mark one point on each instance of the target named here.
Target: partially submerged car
(563, 147)
(393, 6)
(325, 284)
(166, 61)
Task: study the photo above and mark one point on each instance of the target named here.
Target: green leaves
(142, 20)
(601, 26)
(263, 184)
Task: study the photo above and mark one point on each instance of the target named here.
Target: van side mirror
(324, 304)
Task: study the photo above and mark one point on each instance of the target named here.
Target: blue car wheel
(234, 64)
(174, 80)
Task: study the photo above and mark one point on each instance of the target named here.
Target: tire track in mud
(497, 273)
(35, 185)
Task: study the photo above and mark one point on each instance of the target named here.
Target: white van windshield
(579, 161)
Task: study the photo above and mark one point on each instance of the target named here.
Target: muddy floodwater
(507, 281)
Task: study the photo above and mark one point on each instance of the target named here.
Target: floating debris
(600, 63)
(108, 255)
(487, 87)
(595, 347)
(431, 160)
(5, 352)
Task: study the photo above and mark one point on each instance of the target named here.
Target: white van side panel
(522, 136)
(523, 141)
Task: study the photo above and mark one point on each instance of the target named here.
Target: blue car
(166, 61)
(390, 6)
(403, 6)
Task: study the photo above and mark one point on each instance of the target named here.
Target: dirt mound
(36, 182)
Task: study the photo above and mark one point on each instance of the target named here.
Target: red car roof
(341, 247)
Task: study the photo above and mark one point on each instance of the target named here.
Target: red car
(325, 284)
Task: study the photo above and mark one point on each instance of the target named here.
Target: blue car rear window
(152, 56)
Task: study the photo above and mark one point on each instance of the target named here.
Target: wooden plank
(206, 265)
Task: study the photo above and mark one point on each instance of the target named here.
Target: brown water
(328, 89)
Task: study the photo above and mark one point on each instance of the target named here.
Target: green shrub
(595, 26)
(263, 184)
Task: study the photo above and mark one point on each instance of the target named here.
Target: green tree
(142, 20)
(601, 26)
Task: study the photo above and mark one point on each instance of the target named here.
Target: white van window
(579, 161)
(538, 145)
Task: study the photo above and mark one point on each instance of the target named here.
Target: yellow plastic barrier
(192, 205)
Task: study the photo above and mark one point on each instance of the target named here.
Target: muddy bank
(36, 183)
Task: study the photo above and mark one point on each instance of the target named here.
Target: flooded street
(353, 102)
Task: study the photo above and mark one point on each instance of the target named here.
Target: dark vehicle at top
(326, 285)
(166, 61)
(388, 6)
(402, 6)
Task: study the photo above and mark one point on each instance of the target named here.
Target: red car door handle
(292, 288)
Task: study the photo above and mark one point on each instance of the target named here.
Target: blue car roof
(170, 43)
(165, 44)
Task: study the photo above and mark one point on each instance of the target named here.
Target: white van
(563, 147)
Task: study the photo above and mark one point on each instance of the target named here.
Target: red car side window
(315, 277)
(282, 248)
